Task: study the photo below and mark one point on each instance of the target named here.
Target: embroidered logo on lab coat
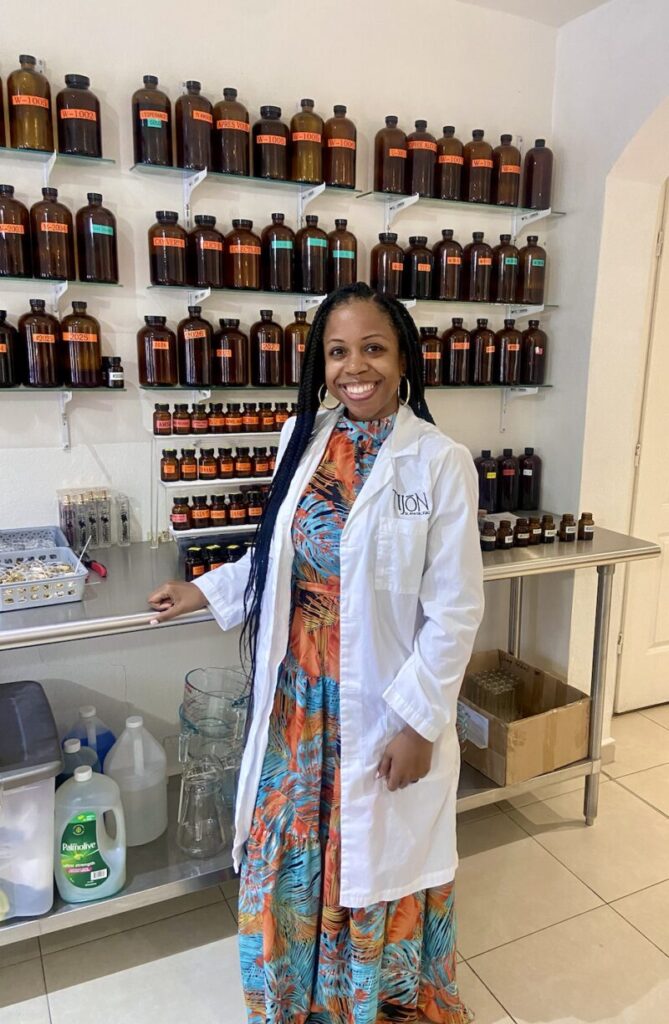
(416, 504)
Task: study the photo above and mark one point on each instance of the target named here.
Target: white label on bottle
(570, 529)
(114, 375)
(477, 726)
(527, 472)
(523, 536)
(550, 533)
(588, 529)
(508, 540)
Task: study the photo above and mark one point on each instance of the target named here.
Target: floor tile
(17, 952)
(232, 904)
(593, 969)
(659, 714)
(22, 996)
(508, 886)
(648, 911)
(640, 743)
(478, 813)
(230, 887)
(548, 792)
(627, 848)
(478, 999)
(651, 785)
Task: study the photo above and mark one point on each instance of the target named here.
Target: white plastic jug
(89, 861)
(138, 764)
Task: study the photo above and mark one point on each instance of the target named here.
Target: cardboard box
(553, 734)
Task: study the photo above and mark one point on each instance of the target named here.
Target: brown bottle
(226, 464)
(504, 271)
(339, 150)
(29, 103)
(157, 354)
(167, 250)
(431, 351)
(52, 238)
(535, 530)
(521, 533)
(505, 173)
(447, 267)
(481, 354)
(342, 256)
(538, 177)
(281, 414)
(422, 156)
(242, 256)
(152, 124)
(81, 348)
(390, 157)
(477, 169)
(529, 490)
(3, 141)
(278, 254)
(216, 416)
(15, 258)
(260, 462)
(180, 516)
(476, 270)
(568, 529)
(39, 332)
(548, 530)
(237, 507)
(586, 526)
(507, 487)
(418, 260)
(266, 352)
(181, 420)
(230, 365)
(194, 121)
(448, 171)
(199, 421)
(207, 467)
(294, 345)
(456, 343)
(311, 257)
(219, 517)
(504, 535)
(533, 355)
(531, 272)
(9, 353)
(270, 145)
(267, 420)
(169, 466)
(194, 348)
(306, 144)
(251, 418)
(78, 118)
(205, 253)
(200, 512)
(507, 355)
(488, 537)
(387, 265)
(96, 242)
(230, 144)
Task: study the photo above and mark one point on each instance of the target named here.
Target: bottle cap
(505, 239)
(478, 134)
(429, 330)
(167, 216)
(539, 143)
(339, 109)
(72, 746)
(6, 190)
(420, 125)
(486, 453)
(87, 711)
(312, 219)
(477, 236)
(205, 220)
(193, 86)
(77, 81)
(507, 452)
(278, 218)
(3, 314)
(505, 139)
(391, 121)
(194, 310)
(273, 113)
(300, 315)
(509, 323)
(134, 722)
(78, 306)
(532, 239)
(306, 103)
(228, 322)
(457, 321)
(37, 305)
(229, 93)
(387, 236)
(84, 773)
(94, 198)
(341, 223)
(244, 225)
(150, 81)
(482, 322)
(449, 131)
(50, 193)
(447, 234)
(155, 321)
(26, 58)
(529, 451)
(266, 314)
(418, 240)
(533, 323)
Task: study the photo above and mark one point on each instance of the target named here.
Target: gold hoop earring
(322, 393)
(404, 401)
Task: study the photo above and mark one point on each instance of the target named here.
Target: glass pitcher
(202, 821)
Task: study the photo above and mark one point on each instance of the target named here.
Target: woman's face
(363, 364)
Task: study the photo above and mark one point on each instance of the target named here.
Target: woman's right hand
(175, 598)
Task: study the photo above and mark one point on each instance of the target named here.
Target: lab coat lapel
(402, 441)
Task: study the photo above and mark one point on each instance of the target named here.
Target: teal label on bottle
(282, 243)
(320, 243)
(80, 858)
(343, 254)
(511, 261)
(102, 229)
(538, 263)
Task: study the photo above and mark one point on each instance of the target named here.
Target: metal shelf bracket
(394, 206)
(190, 183)
(518, 312)
(64, 398)
(198, 296)
(523, 220)
(311, 301)
(306, 195)
(508, 395)
(57, 291)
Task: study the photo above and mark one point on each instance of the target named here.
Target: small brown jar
(507, 355)
(78, 118)
(180, 516)
(226, 464)
(456, 342)
(167, 250)
(260, 462)
(339, 150)
(306, 144)
(15, 256)
(294, 346)
(156, 354)
(273, 452)
(218, 511)
(230, 360)
(420, 164)
(207, 466)
(200, 513)
(521, 533)
(504, 271)
(254, 507)
(568, 528)
(242, 256)
(418, 260)
(342, 256)
(477, 169)
(481, 354)
(194, 120)
(237, 509)
(387, 265)
(181, 420)
(267, 420)
(548, 530)
(230, 149)
(233, 552)
(205, 254)
(216, 418)
(431, 351)
(251, 418)
(213, 553)
(504, 535)
(52, 234)
(187, 464)
(162, 420)
(278, 245)
(311, 257)
(199, 421)
(505, 173)
(243, 464)
(538, 176)
(169, 465)
(390, 158)
(535, 531)
(448, 171)
(281, 414)
(586, 526)
(194, 564)
(447, 267)
(488, 536)
(270, 145)
(234, 421)
(477, 270)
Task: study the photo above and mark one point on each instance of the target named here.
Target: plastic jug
(74, 756)
(89, 862)
(138, 764)
(92, 732)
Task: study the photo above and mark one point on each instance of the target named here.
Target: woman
(360, 605)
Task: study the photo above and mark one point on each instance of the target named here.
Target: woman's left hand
(406, 759)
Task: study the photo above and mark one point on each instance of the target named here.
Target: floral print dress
(305, 959)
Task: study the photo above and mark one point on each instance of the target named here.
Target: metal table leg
(598, 680)
(515, 615)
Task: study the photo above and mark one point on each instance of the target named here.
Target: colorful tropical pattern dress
(304, 958)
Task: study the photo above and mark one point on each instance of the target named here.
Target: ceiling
(550, 12)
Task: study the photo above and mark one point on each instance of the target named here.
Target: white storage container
(138, 764)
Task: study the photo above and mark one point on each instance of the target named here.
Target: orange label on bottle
(423, 144)
(235, 126)
(213, 246)
(481, 163)
(167, 242)
(424, 268)
(200, 423)
(191, 335)
(508, 472)
(485, 261)
(233, 422)
(201, 513)
(270, 346)
(451, 158)
(219, 513)
(225, 467)
(189, 472)
(179, 517)
(307, 137)
(207, 471)
(251, 420)
(12, 229)
(454, 261)
(460, 346)
(513, 346)
(510, 168)
(341, 143)
(397, 266)
(267, 419)
(153, 115)
(301, 346)
(245, 250)
(197, 570)
(203, 115)
(181, 423)
(224, 353)
(432, 355)
(216, 421)
(3, 347)
(243, 465)
(78, 114)
(262, 467)
(169, 470)
(489, 350)
(30, 101)
(44, 339)
(238, 513)
(401, 153)
(271, 140)
(58, 229)
(255, 511)
(160, 346)
(79, 336)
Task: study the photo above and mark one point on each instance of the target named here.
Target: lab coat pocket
(400, 554)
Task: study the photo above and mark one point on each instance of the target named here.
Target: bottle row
(252, 418)
(279, 259)
(528, 532)
(482, 356)
(239, 508)
(203, 558)
(228, 465)
(41, 243)
(507, 483)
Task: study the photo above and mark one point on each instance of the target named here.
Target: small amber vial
(200, 513)
(260, 462)
(273, 452)
(521, 533)
(207, 467)
(535, 531)
(180, 516)
(162, 420)
(226, 464)
(234, 552)
(254, 508)
(267, 420)
(188, 464)
(169, 466)
(237, 509)
(586, 526)
(181, 420)
(251, 418)
(281, 414)
(219, 511)
(243, 463)
(213, 554)
(488, 536)
(194, 564)
(567, 532)
(505, 535)
(548, 530)
(234, 421)
(199, 420)
(216, 418)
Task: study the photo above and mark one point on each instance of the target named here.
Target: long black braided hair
(308, 403)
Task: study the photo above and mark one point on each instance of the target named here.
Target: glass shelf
(456, 204)
(512, 309)
(192, 289)
(260, 389)
(48, 282)
(62, 389)
(522, 388)
(200, 485)
(242, 180)
(43, 156)
(212, 531)
(254, 438)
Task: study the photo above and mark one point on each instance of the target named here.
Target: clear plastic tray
(37, 593)
(32, 537)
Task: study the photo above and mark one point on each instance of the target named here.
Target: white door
(643, 665)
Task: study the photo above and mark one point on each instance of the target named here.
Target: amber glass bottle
(507, 355)
(387, 265)
(193, 128)
(390, 157)
(96, 242)
(230, 144)
(39, 332)
(194, 347)
(531, 272)
(529, 483)
(447, 267)
(9, 353)
(488, 474)
(505, 173)
(448, 170)
(342, 256)
(533, 355)
(29, 103)
(230, 364)
(3, 141)
(504, 271)
(431, 352)
(205, 253)
(278, 254)
(78, 118)
(81, 348)
(152, 124)
(418, 260)
(538, 176)
(481, 354)
(339, 150)
(311, 257)
(15, 258)
(242, 256)
(306, 144)
(156, 353)
(456, 343)
(421, 159)
(507, 490)
(167, 250)
(266, 352)
(52, 238)
(294, 345)
(477, 169)
(270, 145)
(476, 270)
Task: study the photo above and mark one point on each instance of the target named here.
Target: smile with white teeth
(358, 390)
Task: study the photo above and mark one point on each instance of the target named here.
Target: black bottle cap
(37, 305)
(482, 322)
(429, 330)
(273, 113)
(533, 323)
(79, 307)
(266, 314)
(194, 310)
(6, 190)
(155, 321)
(167, 216)
(3, 314)
(278, 218)
(26, 58)
(529, 451)
(506, 139)
(94, 198)
(485, 453)
(418, 240)
(341, 223)
(230, 94)
(244, 225)
(150, 81)
(532, 239)
(457, 321)
(387, 236)
(505, 239)
(447, 234)
(300, 315)
(193, 86)
(421, 126)
(478, 134)
(312, 220)
(339, 109)
(477, 236)
(539, 143)
(391, 121)
(306, 103)
(507, 451)
(205, 220)
(229, 322)
(77, 81)
(449, 131)
(50, 193)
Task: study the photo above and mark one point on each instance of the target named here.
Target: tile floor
(558, 923)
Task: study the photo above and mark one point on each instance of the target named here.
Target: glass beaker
(202, 820)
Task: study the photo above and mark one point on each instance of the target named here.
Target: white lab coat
(411, 603)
